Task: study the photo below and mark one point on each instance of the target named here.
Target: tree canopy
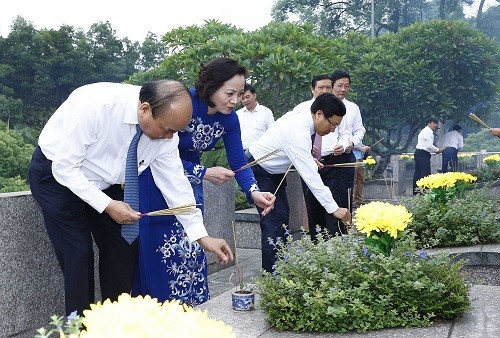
(436, 68)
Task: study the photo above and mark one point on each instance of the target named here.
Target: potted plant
(243, 297)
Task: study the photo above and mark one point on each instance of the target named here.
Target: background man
(451, 144)
(254, 117)
(336, 147)
(422, 155)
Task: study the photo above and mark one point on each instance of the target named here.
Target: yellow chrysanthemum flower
(492, 159)
(382, 217)
(444, 180)
(145, 317)
(369, 161)
(463, 155)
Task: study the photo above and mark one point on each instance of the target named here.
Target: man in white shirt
(336, 148)
(254, 118)
(422, 155)
(452, 143)
(77, 172)
(291, 134)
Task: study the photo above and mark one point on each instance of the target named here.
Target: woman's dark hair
(329, 104)
(212, 76)
(161, 95)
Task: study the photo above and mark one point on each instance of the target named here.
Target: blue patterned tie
(131, 194)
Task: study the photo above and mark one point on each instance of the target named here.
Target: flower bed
(350, 282)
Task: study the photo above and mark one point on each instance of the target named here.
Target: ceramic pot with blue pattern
(243, 300)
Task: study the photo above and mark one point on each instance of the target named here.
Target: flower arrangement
(407, 157)
(382, 223)
(442, 187)
(369, 163)
(492, 160)
(141, 317)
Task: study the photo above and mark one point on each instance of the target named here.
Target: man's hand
(364, 149)
(319, 164)
(350, 148)
(315, 151)
(218, 175)
(264, 200)
(495, 131)
(338, 150)
(217, 246)
(122, 213)
(343, 214)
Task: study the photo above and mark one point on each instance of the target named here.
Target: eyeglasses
(340, 86)
(335, 125)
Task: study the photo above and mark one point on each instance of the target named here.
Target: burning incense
(377, 142)
(257, 161)
(346, 165)
(279, 185)
(180, 210)
(478, 120)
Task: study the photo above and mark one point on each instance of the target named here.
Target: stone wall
(31, 281)
(30, 278)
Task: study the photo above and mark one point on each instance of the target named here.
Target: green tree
(15, 155)
(481, 140)
(42, 67)
(337, 17)
(489, 22)
(281, 58)
(437, 68)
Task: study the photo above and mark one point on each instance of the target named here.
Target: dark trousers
(450, 159)
(339, 180)
(273, 224)
(422, 166)
(70, 224)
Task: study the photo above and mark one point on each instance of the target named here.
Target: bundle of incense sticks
(478, 120)
(346, 165)
(257, 161)
(180, 210)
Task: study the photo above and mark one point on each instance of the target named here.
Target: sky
(133, 19)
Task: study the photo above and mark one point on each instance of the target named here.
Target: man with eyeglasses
(336, 148)
(291, 134)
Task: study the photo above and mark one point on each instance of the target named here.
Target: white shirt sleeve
(168, 174)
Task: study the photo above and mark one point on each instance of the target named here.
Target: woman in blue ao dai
(169, 266)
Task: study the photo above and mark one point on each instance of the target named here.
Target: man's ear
(144, 109)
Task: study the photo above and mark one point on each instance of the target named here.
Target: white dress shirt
(453, 139)
(351, 129)
(426, 140)
(254, 123)
(292, 135)
(87, 140)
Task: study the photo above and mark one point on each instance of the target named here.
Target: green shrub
(240, 200)
(338, 285)
(467, 220)
(486, 173)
